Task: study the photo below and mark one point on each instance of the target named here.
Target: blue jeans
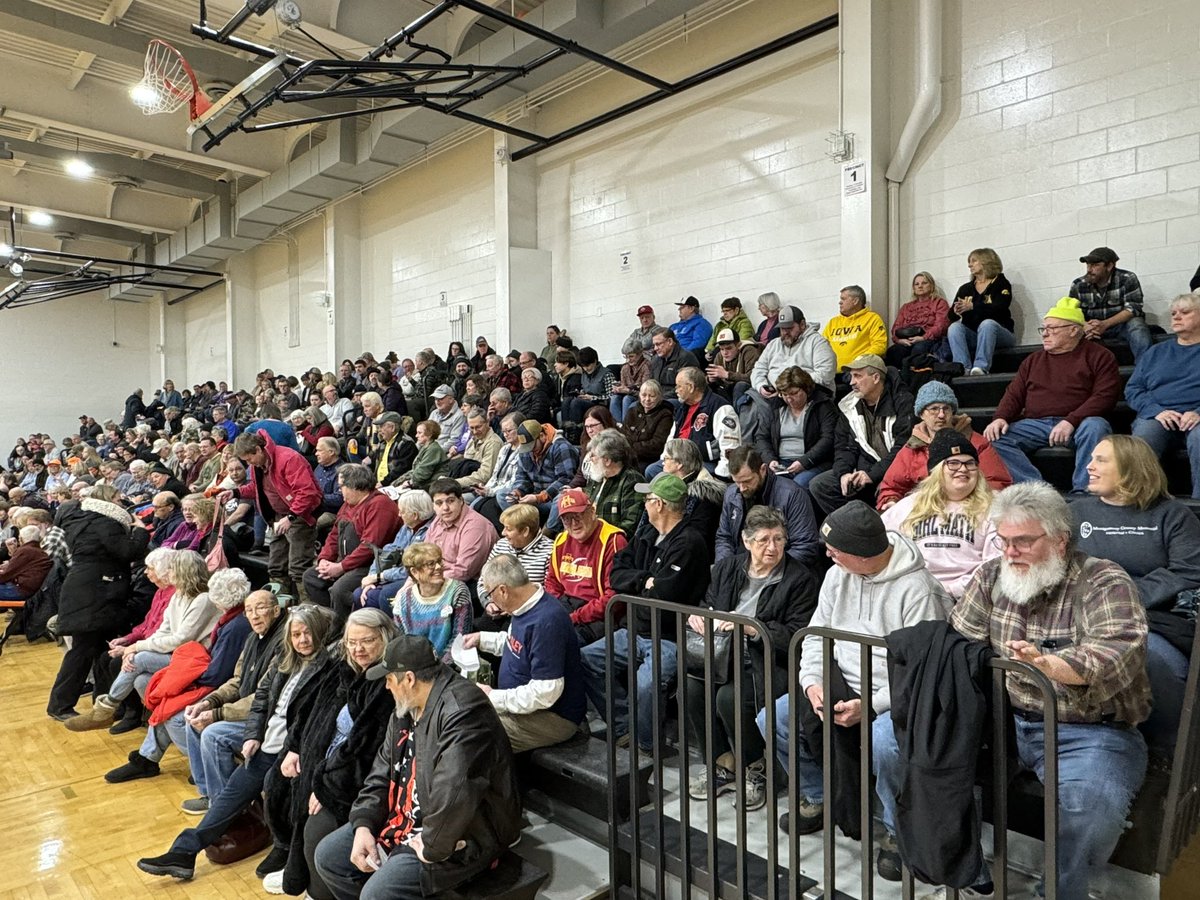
(1100, 769)
(809, 774)
(620, 405)
(159, 738)
(974, 349)
(9, 591)
(1135, 332)
(802, 478)
(210, 755)
(379, 596)
(145, 663)
(399, 878)
(243, 787)
(1167, 670)
(1162, 439)
(593, 656)
(1026, 435)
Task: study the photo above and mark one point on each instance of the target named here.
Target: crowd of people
(415, 511)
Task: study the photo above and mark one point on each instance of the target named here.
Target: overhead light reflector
(37, 217)
(143, 95)
(79, 168)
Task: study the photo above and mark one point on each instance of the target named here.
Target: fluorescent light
(143, 95)
(37, 217)
(6, 250)
(16, 269)
(79, 168)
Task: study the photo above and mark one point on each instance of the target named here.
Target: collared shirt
(1093, 620)
(1123, 291)
(464, 544)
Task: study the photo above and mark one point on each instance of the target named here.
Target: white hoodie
(812, 353)
(903, 594)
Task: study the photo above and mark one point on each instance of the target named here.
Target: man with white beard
(1079, 621)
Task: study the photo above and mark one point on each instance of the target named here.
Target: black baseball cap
(405, 653)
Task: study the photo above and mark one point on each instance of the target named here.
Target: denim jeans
(1100, 769)
(1167, 670)
(1026, 435)
(9, 591)
(243, 787)
(974, 349)
(399, 878)
(809, 773)
(145, 662)
(210, 755)
(803, 477)
(159, 738)
(1135, 332)
(620, 405)
(593, 656)
(1162, 439)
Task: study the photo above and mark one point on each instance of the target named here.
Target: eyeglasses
(774, 540)
(593, 426)
(939, 409)
(1022, 544)
(259, 610)
(363, 644)
(1042, 329)
(960, 465)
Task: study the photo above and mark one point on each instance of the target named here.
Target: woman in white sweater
(189, 616)
(947, 515)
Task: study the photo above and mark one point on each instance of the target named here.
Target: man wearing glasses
(669, 358)
(1079, 621)
(1059, 398)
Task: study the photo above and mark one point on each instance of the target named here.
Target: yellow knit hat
(1066, 308)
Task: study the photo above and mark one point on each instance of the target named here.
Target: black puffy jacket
(103, 542)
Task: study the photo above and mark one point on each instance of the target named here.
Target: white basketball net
(166, 84)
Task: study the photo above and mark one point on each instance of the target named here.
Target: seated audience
(732, 362)
(797, 437)
(1096, 661)
(430, 462)
(878, 584)
(1111, 300)
(644, 333)
(1164, 390)
(733, 319)
(463, 780)
(479, 456)
(533, 402)
(921, 323)
(387, 573)
(1131, 520)
(545, 466)
(755, 485)
(539, 694)
(766, 584)
(394, 453)
(336, 408)
(692, 331)
(464, 536)
(499, 405)
(648, 422)
(612, 477)
(567, 382)
(856, 330)
(796, 345)
(634, 373)
(705, 418)
(595, 386)
(487, 498)
(302, 662)
(980, 317)
(329, 459)
(706, 494)
(430, 604)
(670, 563)
(446, 415)
(936, 408)
(580, 566)
(768, 328)
(1059, 398)
(669, 359)
(27, 567)
(318, 427)
(367, 517)
(875, 420)
(947, 515)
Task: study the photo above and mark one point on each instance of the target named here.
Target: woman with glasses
(430, 604)
(1130, 518)
(332, 743)
(947, 515)
(798, 442)
(766, 584)
(980, 317)
(936, 408)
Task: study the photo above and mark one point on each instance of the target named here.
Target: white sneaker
(273, 883)
(978, 371)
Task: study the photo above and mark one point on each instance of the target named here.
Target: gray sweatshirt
(1159, 547)
(903, 594)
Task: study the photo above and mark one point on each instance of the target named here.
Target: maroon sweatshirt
(27, 568)
(1071, 386)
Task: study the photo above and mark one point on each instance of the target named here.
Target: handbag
(694, 646)
(216, 558)
(910, 331)
(246, 835)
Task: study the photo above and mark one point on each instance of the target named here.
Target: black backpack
(44, 604)
(925, 367)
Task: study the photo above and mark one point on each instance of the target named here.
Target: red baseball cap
(645, 310)
(572, 500)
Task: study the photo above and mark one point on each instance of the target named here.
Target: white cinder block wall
(1067, 126)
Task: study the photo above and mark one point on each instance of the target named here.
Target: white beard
(1037, 579)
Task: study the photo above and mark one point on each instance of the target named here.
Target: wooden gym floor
(67, 833)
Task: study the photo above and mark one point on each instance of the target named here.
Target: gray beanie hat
(934, 392)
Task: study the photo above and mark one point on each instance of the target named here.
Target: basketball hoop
(168, 83)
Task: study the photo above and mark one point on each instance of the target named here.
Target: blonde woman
(947, 515)
(430, 604)
(921, 323)
(980, 318)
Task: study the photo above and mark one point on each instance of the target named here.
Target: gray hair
(30, 534)
(763, 518)
(228, 588)
(138, 465)
(493, 358)
(537, 373)
(330, 443)
(369, 617)
(1186, 302)
(655, 387)
(685, 452)
(372, 398)
(159, 559)
(692, 375)
(857, 292)
(418, 503)
(503, 569)
(319, 622)
(296, 416)
(610, 444)
(632, 345)
(501, 394)
(477, 412)
(770, 301)
(1033, 501)
(357, 477)
(425, 356)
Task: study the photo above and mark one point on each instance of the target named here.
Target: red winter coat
(173, 689)
(376, 520)
(292, 478)
(931, 313)
(911, 464)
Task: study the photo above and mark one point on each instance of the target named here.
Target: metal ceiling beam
(149, 174)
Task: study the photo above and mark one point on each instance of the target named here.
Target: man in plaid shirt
(1111, 300)
(1079, 621)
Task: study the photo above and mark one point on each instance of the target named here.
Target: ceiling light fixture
(79, 168)
(16, 269)
(6, 250)
(39, 218)
(143, 95)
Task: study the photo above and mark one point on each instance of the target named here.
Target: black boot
(137, 767)
(274, 862)
(175, 863)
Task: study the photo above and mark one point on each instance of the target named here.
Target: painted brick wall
(715, 194)
(271, 302)
(1067, 126)
(207, 352)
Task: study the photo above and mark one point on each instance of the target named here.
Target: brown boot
(102, 713)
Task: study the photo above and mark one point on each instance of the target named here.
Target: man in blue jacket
(754, 484)
(692, 330)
